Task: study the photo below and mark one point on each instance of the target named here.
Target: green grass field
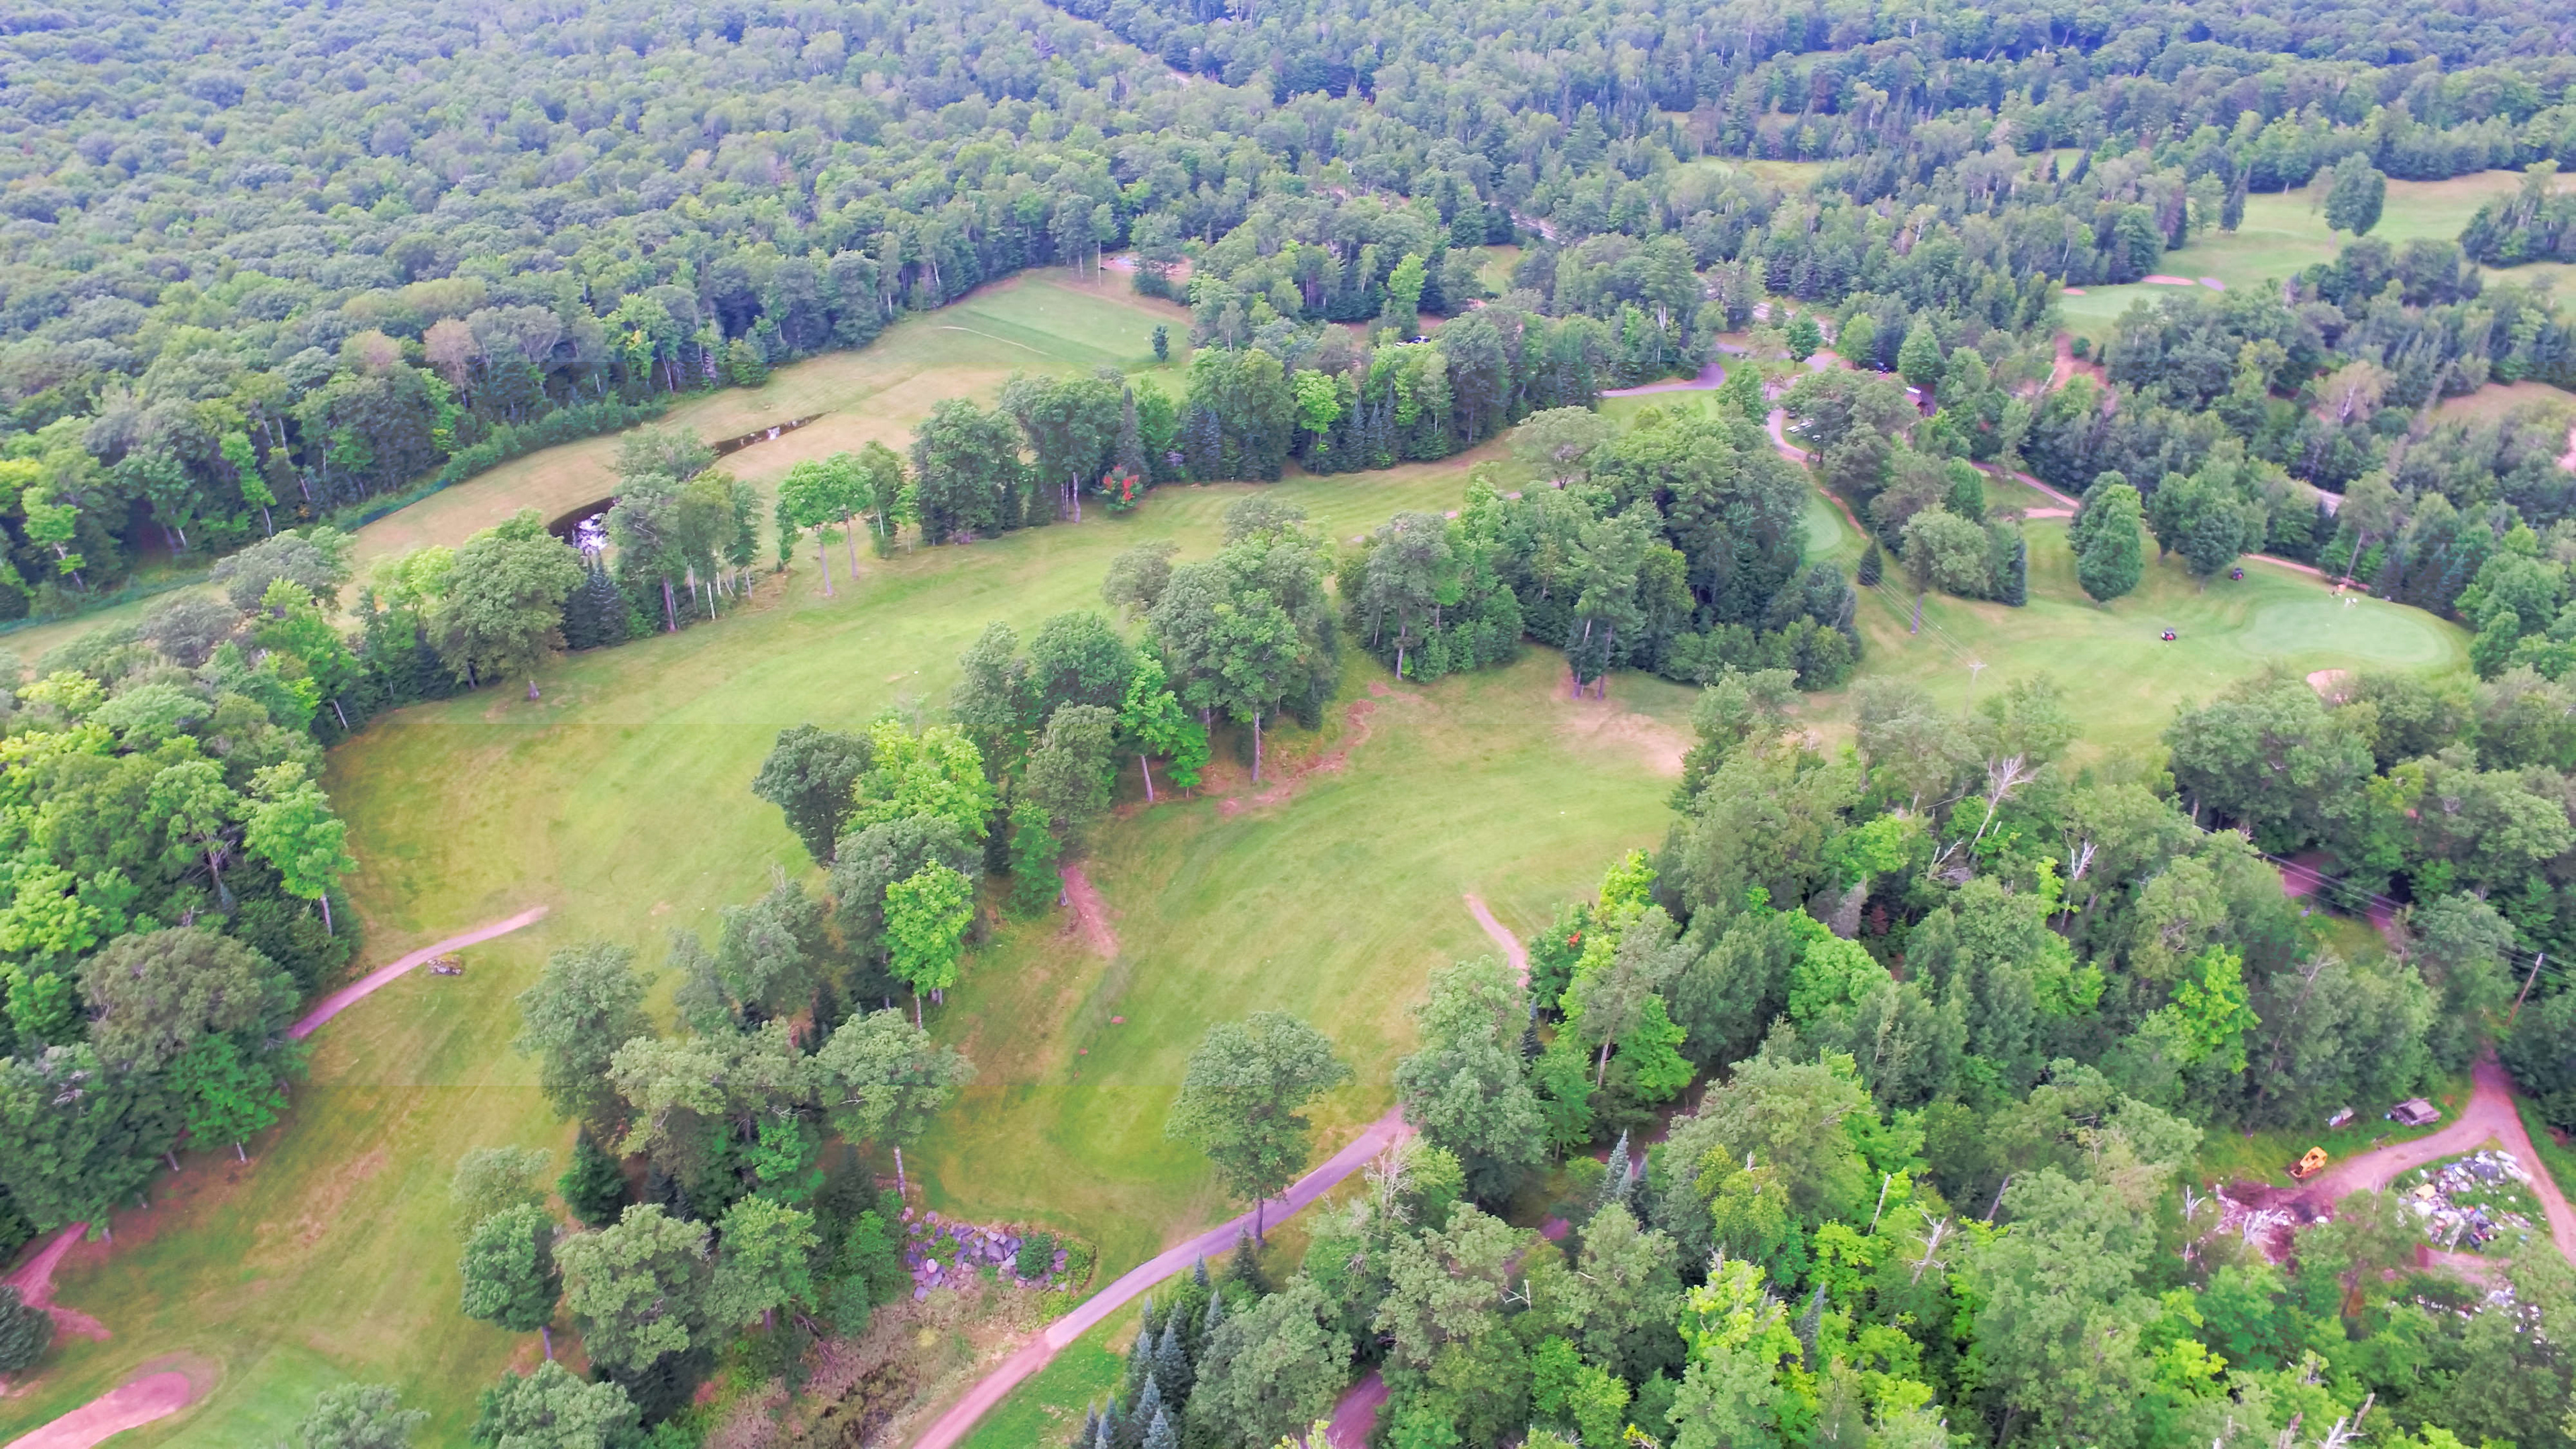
(2285, 232)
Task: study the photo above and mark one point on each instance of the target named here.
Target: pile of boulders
(947, 1254)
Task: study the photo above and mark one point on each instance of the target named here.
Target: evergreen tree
(1161, 1434)
(2012, 580)
(1873, 566)
(1171, 1363)
(24, 1331)
(1245, 1266)
(1617, 1181)
(593, 1185)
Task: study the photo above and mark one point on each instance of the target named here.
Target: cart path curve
(949, 1428)
(154, 1396)
(383, 976)
(34, 1281)
(2490, 1113)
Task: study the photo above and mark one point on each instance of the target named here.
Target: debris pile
(2469, 1201)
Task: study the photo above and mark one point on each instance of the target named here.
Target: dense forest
(264, 260)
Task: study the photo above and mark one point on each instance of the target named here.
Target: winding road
(989, 1390)
(157, 1396)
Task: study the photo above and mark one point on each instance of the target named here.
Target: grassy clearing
(2285, 232)
(2119, 678)
(2498, 398)
(2122, 681)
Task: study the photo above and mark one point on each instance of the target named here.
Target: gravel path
(383, 976)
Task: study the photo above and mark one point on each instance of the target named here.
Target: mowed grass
(621, 801)
(2284, 233)
(2122, 682)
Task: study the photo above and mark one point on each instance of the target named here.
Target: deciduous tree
(1239, 1101)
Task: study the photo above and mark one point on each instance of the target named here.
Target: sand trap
(155, 1396)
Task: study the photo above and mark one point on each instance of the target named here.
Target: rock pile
(943, 1254)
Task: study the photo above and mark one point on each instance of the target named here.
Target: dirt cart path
(384, 976)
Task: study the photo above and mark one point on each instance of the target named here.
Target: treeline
(2015, 995)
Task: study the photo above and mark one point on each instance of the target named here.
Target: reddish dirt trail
(1090, 913)
(989, 1390)
(383, 976)
(2490, 1113)
(1513, 950)
(1355, 1417)
(34, 1281)
(155, 1396)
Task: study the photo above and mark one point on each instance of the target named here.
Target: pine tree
(1246, 1265)
(593, 1185)
(1215, 1310)
(1199, 1273)
(1161, 1435)
(1873, 565)
(1106, 1436)
(1140, 1359)
(1171, 1364)
(1140, 1420)
(1809, 1322)
(2012, 584)
(24, 1332)
(1090, 1431)
(1615, 1182)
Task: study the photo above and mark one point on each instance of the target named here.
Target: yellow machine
(2308, 1164)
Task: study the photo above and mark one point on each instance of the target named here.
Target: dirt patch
(2334, 686)
(1359, 721)
(327, 1203)
(1087, 915)
(150, 1397)
(1604, 725)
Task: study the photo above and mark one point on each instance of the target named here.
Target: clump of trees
(176, 862)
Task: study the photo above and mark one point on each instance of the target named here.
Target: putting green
(2372, 630)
